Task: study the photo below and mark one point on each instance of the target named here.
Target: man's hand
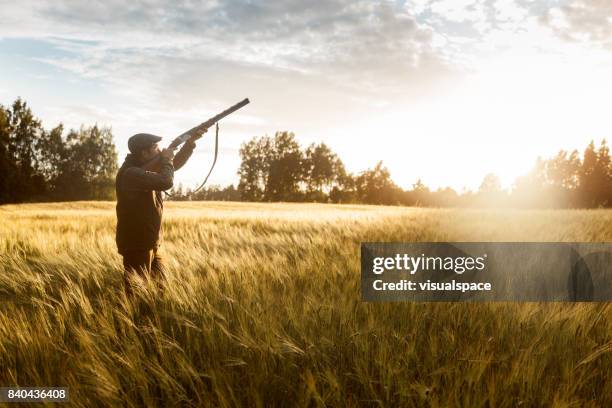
(167, 153)
(196, 135)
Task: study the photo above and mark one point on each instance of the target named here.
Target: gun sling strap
(214, 159)
(211, 167)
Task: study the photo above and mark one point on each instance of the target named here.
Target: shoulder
(128, 175)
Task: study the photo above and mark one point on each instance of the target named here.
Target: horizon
(485, 86)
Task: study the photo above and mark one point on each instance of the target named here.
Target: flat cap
(141, 141)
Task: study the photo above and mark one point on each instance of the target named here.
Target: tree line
(48, 165)
(53, 165)
(279, 169)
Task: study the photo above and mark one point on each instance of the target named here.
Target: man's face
(151, 152)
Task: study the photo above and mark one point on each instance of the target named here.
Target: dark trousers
(146, 264)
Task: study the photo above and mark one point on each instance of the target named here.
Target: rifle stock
(153, 164)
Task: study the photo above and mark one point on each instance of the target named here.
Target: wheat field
(262, 308)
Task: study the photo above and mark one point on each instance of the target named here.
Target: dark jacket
(140, 202)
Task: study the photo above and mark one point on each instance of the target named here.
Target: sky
(445, 91)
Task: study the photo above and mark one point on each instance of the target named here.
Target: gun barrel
(228, 111)
(210, 122)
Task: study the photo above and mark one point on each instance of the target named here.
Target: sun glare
(498, 119)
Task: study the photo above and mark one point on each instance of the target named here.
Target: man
(140, 204)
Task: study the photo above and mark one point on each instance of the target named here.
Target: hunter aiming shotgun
(153, 164)
(146, 173)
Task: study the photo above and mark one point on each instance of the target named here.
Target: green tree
(37, 164)
(419, 195)
(345, 191)
(374, 186)
(595, 186)
(20, 133)
(52, 152)
(254, 168)
(8, 167)
(563, 170)
(88, 166)
(603, 180)
(286, 169)
(323, 170)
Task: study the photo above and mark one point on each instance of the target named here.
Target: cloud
(470, 26)
(334, 38)
(583, 21)
(459, 10)
(306, 66)
(510, 11)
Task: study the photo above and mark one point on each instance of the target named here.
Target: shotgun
(153, 164)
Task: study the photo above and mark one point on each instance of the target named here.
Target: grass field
(262, 308)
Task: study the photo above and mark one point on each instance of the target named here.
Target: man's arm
(138, 179)
(184, 154)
